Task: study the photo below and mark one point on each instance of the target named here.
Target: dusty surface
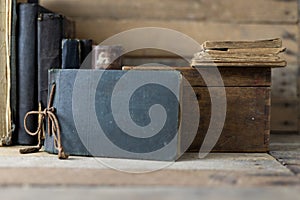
(226, 175)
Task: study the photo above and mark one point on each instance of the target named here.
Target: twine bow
(53, 128)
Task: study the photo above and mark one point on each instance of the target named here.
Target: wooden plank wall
(203, 20)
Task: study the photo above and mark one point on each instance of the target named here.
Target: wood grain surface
(201, 20)
(232, 77)
(242, 11)
(247, 123)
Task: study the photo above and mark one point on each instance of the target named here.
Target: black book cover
(74, 52)
(13, 69)
(86, 46)
(26, 69)
(52, 28)
(70, 54)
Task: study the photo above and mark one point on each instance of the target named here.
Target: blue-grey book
(114, 113)
(70, 54)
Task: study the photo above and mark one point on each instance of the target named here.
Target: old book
(83, 102)
(13, 68)
(86, 47)
(255, 51)
(271, 43)
(5, 33)
(261, 53)
(74, 53)
(70, 54)
(27, 69)
(52, 28)
(240, 59)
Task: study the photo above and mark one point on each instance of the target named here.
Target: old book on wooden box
(247, 82)
(248, 65)
(89, 104)
(260, 53)
(52, 28)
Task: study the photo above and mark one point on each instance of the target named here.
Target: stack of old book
(240, 53)
(245, 69)
(33, 40)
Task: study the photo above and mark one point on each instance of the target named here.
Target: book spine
(52, 28)
(86, 47)
(26, 70)
(4, 32)
(13, 70)
(49, 140)
(70, 54)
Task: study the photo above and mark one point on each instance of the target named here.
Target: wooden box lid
(232, 77)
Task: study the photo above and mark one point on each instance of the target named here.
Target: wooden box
(248, 94)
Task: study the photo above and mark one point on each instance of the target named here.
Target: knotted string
(53, 128)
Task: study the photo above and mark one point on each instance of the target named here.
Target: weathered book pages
(271, 43)
(260, 53)
(5, 39)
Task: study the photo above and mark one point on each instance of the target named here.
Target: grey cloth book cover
(115, 113)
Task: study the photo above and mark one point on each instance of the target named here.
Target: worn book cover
(86, 47)
(5, 41)
(258, 53)
(52, 28)
(70, 54)
(74, 53)
(27, 69)
(115, 113)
